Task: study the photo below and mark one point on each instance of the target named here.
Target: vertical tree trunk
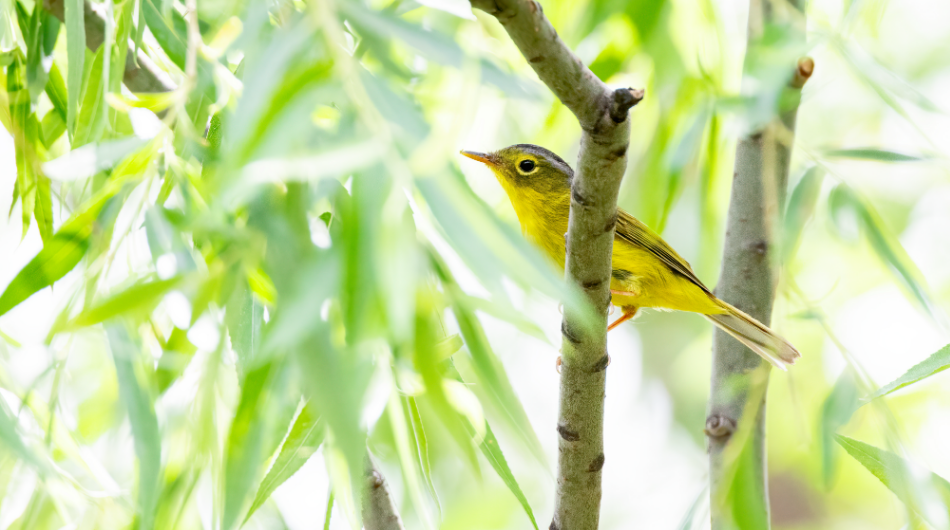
(735, 425)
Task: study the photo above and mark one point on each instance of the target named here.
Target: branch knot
(622, 100)
(719, 426)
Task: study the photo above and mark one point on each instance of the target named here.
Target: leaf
(936, 363)
(57, 92)
(10, 437)
(913, 489)
(496, 458)
(177, 352)
(138, 299)
(696, 512)
(870, 153)
(801, 207)
(837, 410)
(400, 424)
(493, 379)
(76, 55)
(56, 259)
(244, 316)
(43, 210)
(433, 46)
(302, 441)
(422, 445)
(244, 443)
(886, 245)
(92, 112)
(148, 439)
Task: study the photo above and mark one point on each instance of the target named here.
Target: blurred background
(235, 318)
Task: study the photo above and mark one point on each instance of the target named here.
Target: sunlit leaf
(177, 352)
(915, 490)
(936, 363)
(141, 409)
(43, 210)
(76, 52)
(245, 318)
(800, 208)
(56, 259)
(878, 155)
(140, 298)
(837, 410)
(91, 120)
(885, 244)
(245, 440)
(302, 441)
(496, 458)
(89, 159)
(434, 46)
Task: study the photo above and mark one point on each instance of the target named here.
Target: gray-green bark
(747, 281)
(141, 76)
(602, 115)
(379, 510)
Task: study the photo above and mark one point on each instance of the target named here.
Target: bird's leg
(624, 293)
(628, 313)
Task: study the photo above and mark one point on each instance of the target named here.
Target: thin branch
(379, 511)
(748, 281)
(142, 77)
(602, 115)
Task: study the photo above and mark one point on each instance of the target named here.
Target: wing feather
(631, 230)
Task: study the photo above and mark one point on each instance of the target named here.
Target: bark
(142, 77)
(602, 115)
(379, 510)
(747, 281)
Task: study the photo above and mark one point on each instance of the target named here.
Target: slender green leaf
(58, 95)
(90, 159)
(870, 153)
(401, 428)
(422, 445)
(434, 46)
(885, 244)
(496, 458)
(139, 402)
(138, 299)
(177, 352)
(57, 258)
(76, 55)
(329, 512)
(92, 112)
(302, 441)
(244, 316)
(800, 208)
(20, 114)
(43, 211)
(915, 490)
(837, 410)
(936, 363)
(245, 441)
(12, 441)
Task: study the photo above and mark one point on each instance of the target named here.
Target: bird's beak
(484, 158)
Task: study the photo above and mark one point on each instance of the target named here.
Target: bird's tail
(756, 336)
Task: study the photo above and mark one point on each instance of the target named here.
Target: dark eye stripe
(526, 165)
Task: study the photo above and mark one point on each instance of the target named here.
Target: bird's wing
(631, 230)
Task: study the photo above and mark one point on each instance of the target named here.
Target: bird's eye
(526, 166)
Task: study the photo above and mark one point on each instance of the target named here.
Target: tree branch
(747, 281)
(379, 511)
(602, 115)
(142, 77)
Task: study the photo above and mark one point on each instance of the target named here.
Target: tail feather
(756, 336)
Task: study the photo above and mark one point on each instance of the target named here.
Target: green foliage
(290, 229)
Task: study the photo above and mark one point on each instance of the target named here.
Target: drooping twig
(379, 511)
(602, 115)
(144, 76)
(747, 281)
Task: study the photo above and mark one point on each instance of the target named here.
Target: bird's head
(523, 168)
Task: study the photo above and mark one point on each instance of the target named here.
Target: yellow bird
(647, 272)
